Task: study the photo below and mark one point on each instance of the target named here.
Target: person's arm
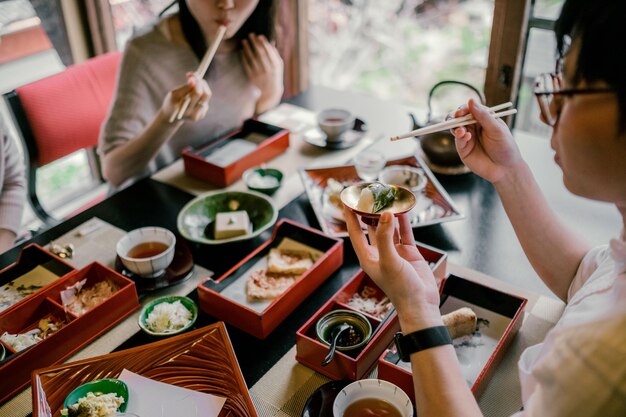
(264, 68)
(131, 158)
(489, 150)
(396, 266)
(13, 193)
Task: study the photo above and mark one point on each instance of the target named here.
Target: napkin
(149, 398)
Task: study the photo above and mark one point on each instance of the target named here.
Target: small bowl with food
(406, 176)
(219, 217)
(167, 316)
(263, 180)
(108, 396)
(147, 251)
(354, 337)
(371, 199)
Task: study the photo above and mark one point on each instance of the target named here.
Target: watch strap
(421, 340)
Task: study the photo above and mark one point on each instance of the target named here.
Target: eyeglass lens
(548, 84)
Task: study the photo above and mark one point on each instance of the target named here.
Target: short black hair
(599, 27)
(262, 21)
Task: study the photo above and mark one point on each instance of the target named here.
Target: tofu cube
(232, 223)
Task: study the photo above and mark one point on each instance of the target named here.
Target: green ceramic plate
(99, 387)
(147, 309)
(195, 220)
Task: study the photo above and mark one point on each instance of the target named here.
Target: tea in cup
(148, 251)
(372, 397)
(334, 122)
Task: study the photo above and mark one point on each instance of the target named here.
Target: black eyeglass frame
(544, 105)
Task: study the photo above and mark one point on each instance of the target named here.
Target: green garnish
(383, 195)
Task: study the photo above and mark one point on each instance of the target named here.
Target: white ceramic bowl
(151, 266)
(404, 175)
(372, 388)
(334, 122)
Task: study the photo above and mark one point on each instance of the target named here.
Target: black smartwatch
(421, 340)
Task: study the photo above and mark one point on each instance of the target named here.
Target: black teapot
(439, 147)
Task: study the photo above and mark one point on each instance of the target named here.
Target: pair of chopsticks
(200, 72)
(457, 122)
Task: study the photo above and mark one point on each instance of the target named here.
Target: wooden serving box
(225, 298)
(16, 368)
(500, 317)
(202, 360)
(270, 142)
(356, 364)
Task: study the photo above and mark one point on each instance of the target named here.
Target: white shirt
(580, 368)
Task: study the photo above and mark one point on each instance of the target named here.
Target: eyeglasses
(549, 90)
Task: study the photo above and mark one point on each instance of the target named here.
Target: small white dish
(376, 389)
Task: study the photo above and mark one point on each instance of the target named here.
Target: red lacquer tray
(202, 360)
(434, 205)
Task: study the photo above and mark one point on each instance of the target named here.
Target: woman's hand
(199, 94)
(486, 147)
(395, 264)
(264, 68)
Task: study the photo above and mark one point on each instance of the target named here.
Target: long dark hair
(262, 22)
(598, 26)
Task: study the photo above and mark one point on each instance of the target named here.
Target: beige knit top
(151, 66)
(12, 183)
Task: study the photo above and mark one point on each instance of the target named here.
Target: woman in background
(12, 190)
(580, 368)
(245, 78)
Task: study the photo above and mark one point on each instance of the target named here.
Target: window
(399, 49)
(539, 57)
(129, 15)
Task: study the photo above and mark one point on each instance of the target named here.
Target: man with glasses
(580, 368)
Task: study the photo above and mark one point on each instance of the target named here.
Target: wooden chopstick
(456, 122)
(179, 112)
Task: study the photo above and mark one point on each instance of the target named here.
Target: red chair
(61, 114)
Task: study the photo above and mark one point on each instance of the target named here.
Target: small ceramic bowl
(147, 251)
(405, 200)
(99, 387)
(331, 320)
(196, 220)
(3, 352)
(404, 175)
(263, 180)
(334, 122)
(148, 308)
(377, 389)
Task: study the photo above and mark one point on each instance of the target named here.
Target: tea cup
(376, 392)
(147, 251)
(334, 122)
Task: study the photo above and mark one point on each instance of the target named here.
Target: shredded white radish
(168, 317)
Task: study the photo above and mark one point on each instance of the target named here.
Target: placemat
(285, 388)
(95, 240)
(299, 155)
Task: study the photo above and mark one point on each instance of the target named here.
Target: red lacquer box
(224, 161)
(499, 318)
(202, 360)
(77, 331)
(354, 365)
(225, 298)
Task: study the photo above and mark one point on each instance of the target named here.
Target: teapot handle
(447, 82)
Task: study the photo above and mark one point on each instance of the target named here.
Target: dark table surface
(484, 240)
